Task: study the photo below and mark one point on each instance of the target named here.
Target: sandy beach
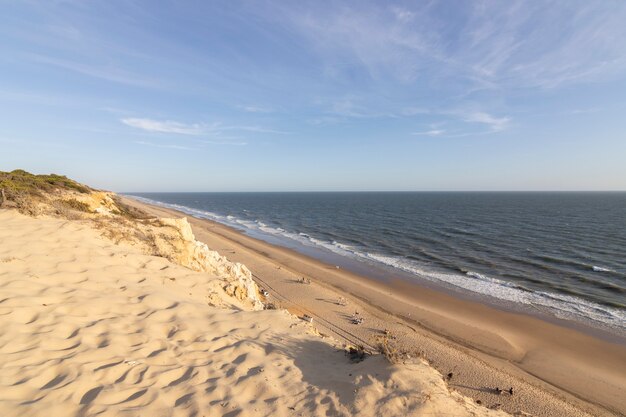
(554, 370)
(92, 324)
(109, 306)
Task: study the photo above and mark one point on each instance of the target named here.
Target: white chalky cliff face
(197, 256)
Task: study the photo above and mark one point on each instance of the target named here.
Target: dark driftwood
(3, 197)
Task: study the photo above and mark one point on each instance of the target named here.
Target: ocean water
(562, 254)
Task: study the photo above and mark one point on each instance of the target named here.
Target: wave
(563, 306)
(600, 269)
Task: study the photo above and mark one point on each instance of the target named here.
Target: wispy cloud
(464, 124)
(325, 120)
(353, 106)
(348, 107)
(224, 142)
(47, 143)
(584, 111)
(165, 146)
(256, 109)
(403, 15)
(376, 39)
(487, 44)
(256, 129)
(41, 98)
(106, 72)
(195, 129)
(495, 124)
(412, 111)
(432, 132)
(167, 126)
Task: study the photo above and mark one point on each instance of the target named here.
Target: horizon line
(377, 191)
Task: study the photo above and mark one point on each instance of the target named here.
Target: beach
(90, 327)
(110, 306)
(106, 309)
(555, 370)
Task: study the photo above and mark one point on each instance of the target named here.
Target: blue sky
(264, 95)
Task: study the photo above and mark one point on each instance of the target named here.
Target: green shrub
(19, 183)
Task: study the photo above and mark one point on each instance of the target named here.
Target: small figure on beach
(449, 376)
(511, 391)
(307, 318)
(497, 390)
(342, 301)
(265, 293)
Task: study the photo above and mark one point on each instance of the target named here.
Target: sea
(560, 254)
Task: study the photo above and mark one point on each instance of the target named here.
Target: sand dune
(88, 327)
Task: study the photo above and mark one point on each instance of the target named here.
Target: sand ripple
(91, 328)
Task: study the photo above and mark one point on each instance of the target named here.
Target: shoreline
(381, 273)
(551, 365)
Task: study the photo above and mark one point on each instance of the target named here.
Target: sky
(316, 95)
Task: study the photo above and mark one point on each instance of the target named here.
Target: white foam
(600, 269)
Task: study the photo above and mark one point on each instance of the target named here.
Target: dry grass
(129, 211)
(120, 229)
(74, 204)
(388, 350)
(59, 209)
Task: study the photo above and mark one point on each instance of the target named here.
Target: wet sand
(554, 370)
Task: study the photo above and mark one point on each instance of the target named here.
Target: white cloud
(488, 44)
(325, 120)
(377, 40)
(492, 123)
(584, 111)
(496, 124)
(356, 107)
(105, 72)
(256, 109)
(403, 15)
(432, 132)
(412, 111)
(224, 142)
(167, 126)
(545, 45)
(257, 129)
(166, 146)
(215, 130)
